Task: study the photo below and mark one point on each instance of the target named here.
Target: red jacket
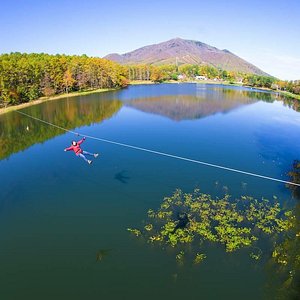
(76, 148)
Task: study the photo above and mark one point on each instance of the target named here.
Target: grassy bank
(216, 82)
(56, 97)
(291, 95)
(285, 93)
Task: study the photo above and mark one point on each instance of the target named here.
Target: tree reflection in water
(18, 132)
(284, 266)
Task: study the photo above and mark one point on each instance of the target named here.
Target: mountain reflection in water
(203, 104)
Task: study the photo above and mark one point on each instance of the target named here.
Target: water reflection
(18, 132)
(206, 102)
(64, 210)
(291, 103)
(176, 102)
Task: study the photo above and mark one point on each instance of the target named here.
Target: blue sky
(265, 33)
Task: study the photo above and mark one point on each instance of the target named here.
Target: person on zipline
(75, 146)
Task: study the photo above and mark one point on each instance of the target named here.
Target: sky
(265, 33)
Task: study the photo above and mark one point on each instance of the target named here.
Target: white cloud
(280, 65)
(288, 120)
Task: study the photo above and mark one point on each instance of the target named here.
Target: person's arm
(69, 148)
(81, 141)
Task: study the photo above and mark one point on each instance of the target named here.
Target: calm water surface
(57, 213)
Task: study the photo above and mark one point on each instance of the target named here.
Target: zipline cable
(162, 153)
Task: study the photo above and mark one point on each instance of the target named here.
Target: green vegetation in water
(295, 177)
(101, 254)
(285, 263)
(199, 257)
(285, 260)
(180, 256)
(194, 218)
(136, 232)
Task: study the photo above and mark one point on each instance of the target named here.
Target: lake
(63, 223)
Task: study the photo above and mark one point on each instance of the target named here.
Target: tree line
(173, 72)
(25, 77)
(289, 86)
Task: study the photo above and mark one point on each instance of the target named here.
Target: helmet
(74, 143)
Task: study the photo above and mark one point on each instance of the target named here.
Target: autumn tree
(25, 77)
(68, 80)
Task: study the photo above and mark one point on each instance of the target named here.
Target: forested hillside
(25, 77)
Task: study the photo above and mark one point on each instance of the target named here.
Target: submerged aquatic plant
(180, 256)
(199, 257)
(285, 260)
(136, 232)
(101, 254)
(193, 218)
(256, 254)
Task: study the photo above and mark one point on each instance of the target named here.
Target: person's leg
(91, 154)
(83, 157)
(87, 153)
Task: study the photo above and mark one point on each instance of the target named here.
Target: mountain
(186, 52)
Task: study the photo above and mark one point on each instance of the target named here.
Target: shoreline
(134, 82)
(50, 98)
(141, 82)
